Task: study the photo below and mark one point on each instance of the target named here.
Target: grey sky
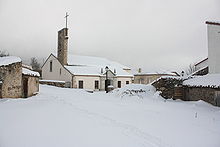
(151, 34)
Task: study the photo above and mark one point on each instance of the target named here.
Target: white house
(213, 47)
(86, 72)
(211, 64)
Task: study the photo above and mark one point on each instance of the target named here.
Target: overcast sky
(151, 34)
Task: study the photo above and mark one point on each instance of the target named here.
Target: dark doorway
(107, 83)
(25, 87)
(119, 84)
(80, 84)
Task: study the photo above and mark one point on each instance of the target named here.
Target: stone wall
(57, 84)
(173, 88)
(11, 76)
(169, 87)
(201, 93)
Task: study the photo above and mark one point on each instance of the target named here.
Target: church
(84, 72)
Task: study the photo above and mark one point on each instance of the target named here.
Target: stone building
(16, 81)
(11, 77)
(30, 82)
(84, 72)
(206, 88)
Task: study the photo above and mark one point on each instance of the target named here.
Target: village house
(16, 81)
(211, 64)
(148, 77)
(84, 72)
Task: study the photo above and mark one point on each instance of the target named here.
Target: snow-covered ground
(134, 116)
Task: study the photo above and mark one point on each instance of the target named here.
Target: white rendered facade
(213, 47)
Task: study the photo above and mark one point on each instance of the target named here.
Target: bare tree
(3, 54)
(34, 63)
(191, 69)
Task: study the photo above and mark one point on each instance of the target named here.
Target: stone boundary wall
(201, 93)
(173, 88)
(167, 86)
(53, 83)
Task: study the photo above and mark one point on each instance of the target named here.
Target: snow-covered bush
(139, 90)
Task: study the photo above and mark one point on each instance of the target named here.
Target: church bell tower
(63, 44)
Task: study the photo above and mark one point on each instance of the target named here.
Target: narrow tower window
(51, 66)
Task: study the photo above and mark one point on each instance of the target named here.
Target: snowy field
(128, 117)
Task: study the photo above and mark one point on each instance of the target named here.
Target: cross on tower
(66, 18)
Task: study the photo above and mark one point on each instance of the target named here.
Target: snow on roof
(94, 70)
(9, 60)
(84, 70)
(88, 65)
(195, 72)
(210, 80)
(93, 61)
(201, 61)
(29, 72)
(158, 73)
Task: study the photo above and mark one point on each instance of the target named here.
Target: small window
(60, 71)
(127, 82)
(119, 84)
(51, 66)
(80, 84)
(96, 84)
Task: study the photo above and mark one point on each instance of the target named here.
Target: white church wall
(214, 48)
(88, 82)
(64, 75)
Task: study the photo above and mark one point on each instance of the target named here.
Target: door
(25, 87)
(107, 83)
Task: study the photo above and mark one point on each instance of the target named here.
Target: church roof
(95, 66)
(93, 61)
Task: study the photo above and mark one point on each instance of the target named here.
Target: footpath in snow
(133, 116)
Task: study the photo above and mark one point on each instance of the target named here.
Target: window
(119, 84)
(80, 84)
(51, 64)
(127, 82)
(96, 84)
(60, 71)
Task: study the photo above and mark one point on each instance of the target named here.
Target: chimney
(139, 70)
(62, 46)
